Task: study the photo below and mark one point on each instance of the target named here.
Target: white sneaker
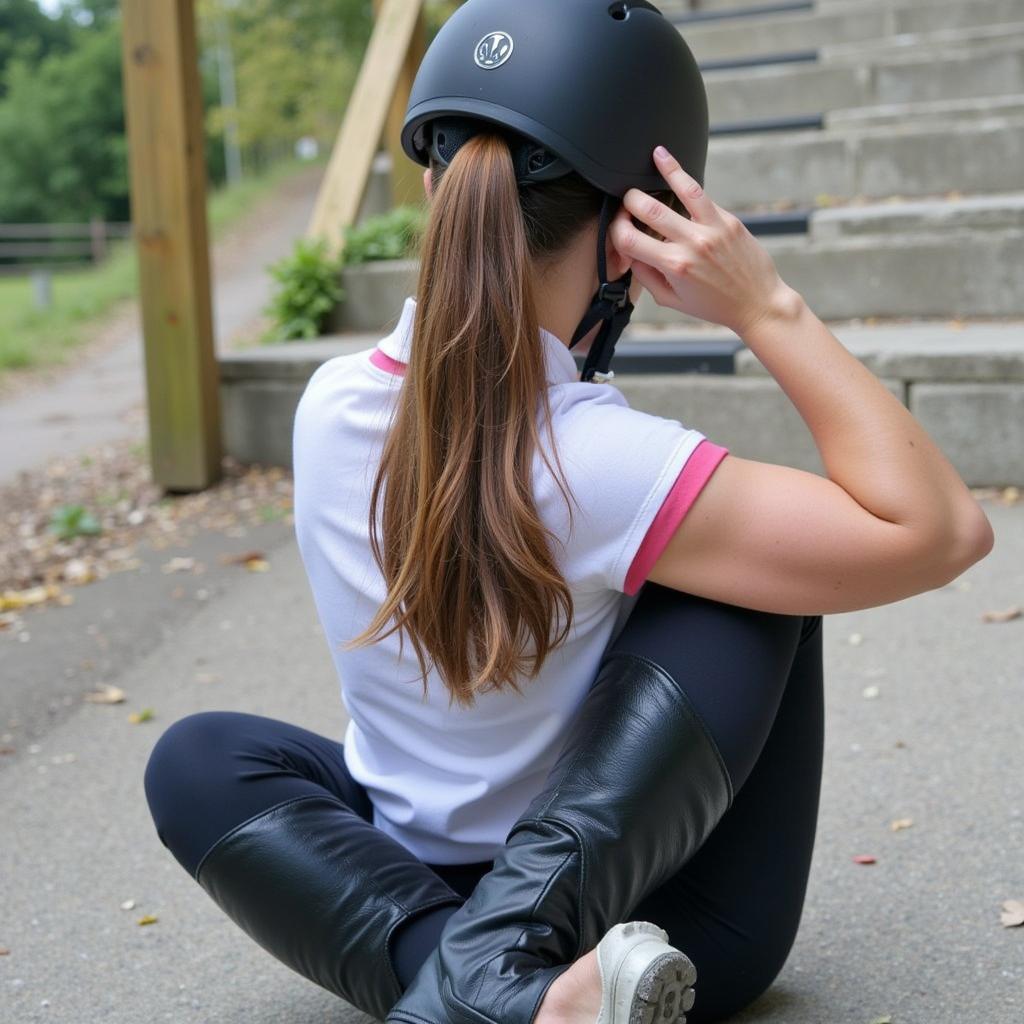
(644, 980)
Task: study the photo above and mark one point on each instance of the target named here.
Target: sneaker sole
(664, 992)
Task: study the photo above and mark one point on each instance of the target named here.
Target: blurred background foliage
(63, 152)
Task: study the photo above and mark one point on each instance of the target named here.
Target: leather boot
(322, 889)
(635, 791)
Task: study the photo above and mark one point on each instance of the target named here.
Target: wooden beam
(348, 171)
(406, 176)
(163, 115)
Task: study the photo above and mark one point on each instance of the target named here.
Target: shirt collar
(561, 367)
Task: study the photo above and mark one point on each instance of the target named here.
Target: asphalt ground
(925, 721)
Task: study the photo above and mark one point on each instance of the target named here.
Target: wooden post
(163, 114)
(348, 171)
(406, 176)
(98, 238)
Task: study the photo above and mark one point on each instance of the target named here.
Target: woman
(580, 645)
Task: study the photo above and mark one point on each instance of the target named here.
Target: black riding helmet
(574, 85)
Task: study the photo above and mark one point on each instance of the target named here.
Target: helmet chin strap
(611, 304)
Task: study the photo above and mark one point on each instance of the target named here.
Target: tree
(295, 64)
(28, 33)
(62, 134)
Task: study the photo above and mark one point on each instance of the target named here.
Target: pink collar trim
(392, 353)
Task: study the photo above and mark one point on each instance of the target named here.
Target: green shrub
(70, 521)
(388, 236)
(307, 290)
(307, 280)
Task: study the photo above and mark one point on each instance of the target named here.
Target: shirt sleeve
(635, 476)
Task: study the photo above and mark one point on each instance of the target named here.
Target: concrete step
(840, 22)
(961, 274)
(891, 114)
(982, 155)
(747, 8)
(965, 384)
(931, 258)
(697, 13)
(936, 258)
(1003, 212)
(930, 111)
(679, 8)
(934, 41)
(986, 67)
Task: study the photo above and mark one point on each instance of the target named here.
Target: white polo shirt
(449, 782)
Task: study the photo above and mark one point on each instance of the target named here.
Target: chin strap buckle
(615, 293)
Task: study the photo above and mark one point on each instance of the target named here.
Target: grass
(32, 338)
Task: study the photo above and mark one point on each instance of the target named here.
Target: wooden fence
(25, 247)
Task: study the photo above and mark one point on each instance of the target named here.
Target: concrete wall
(970, 400)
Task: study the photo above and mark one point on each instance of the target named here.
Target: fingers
(656, 215)
(687, 188)
(632, 242)
(654, 281)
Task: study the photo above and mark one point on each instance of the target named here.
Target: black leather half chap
(636, 789)
(322, 889)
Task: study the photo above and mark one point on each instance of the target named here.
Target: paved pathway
(101, 396)
(915, 937)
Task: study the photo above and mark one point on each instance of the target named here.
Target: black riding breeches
(755, 678)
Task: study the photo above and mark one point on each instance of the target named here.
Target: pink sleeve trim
(384, 362)
(691, 480)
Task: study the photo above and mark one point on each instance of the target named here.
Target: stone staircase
(890, 133)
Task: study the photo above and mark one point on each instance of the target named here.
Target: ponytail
(469, 571)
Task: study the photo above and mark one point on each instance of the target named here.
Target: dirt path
(99, 396)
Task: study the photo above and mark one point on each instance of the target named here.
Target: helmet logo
(493, 50)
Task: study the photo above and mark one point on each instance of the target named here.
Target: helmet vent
(620, 11)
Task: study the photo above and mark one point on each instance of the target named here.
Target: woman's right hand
(710, 267)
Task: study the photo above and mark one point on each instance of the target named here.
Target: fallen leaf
(865, 858)
(1010, 495)
(128, 905)
(882, 1020)
(14, 599)
(140, 716)
(79, 571)
(179, 565)
(901, 823)
(1013, 914)
(242, 559)
(1006, 615)
(147, 919)
(4, 951)
(107, 695)
(257, 565)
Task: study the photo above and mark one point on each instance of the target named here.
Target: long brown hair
(471, 575)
